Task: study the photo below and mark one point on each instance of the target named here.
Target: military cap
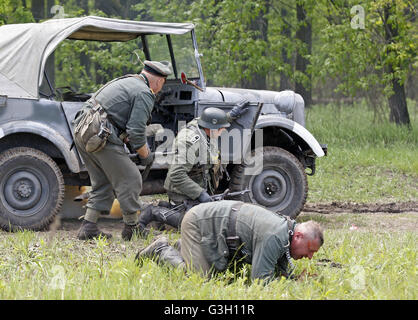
(161, 69)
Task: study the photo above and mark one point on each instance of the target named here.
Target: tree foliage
(370, 57)
(13, 11)
(260, 44)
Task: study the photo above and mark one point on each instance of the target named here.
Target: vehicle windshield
(84, 66)
(183, 53)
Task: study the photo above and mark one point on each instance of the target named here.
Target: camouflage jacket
(189, 172)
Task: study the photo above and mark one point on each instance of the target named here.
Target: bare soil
(335, 207)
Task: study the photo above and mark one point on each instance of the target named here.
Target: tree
(397, 99)
(380, 53)
(303, 81)
(14, 11)
(285, 81)
(259, 27)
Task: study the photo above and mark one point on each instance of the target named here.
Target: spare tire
(277, 182)
(31, 189)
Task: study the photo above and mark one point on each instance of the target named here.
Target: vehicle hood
(233, 95)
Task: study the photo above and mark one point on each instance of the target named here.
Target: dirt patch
(352, 207)
(365, 221)
(334, 215)
(68, 228)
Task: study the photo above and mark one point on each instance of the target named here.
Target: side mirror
(184, 80)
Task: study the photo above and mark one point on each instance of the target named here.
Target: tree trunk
(50, 64)
(40, 12)
(84, 58)
(397, 102)
(38, 9)
(260, 23)
(304, 34)
(285, 83)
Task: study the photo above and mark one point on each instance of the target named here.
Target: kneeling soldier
(194, 173)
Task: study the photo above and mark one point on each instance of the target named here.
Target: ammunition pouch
(93, 129)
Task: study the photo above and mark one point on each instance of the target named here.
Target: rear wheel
(277, 181)
(31, 189)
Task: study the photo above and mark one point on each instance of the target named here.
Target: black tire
(31, 189)
(280, 185)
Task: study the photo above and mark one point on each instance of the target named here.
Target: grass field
(368, 160)
(365, 256)
(376, 261)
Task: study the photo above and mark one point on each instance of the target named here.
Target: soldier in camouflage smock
(195, 170)
(190, 174)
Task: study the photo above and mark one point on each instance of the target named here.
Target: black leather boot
(161, 251)
(129, 231)
(173, 219)
(157, 214)
(89, 230)
(146, 216)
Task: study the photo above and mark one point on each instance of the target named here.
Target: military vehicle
(38, 158)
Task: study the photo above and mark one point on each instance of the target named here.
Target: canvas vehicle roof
(24, 48)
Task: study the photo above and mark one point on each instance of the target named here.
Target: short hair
(312, 230)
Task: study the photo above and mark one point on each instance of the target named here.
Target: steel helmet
(213, 118)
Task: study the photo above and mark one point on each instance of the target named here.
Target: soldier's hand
(147, 160)
(204, 197)
(239, 109)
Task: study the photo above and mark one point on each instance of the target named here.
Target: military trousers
(112, 174)
(191, 251)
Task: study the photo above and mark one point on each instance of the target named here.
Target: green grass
(368, 160)
(374, 265)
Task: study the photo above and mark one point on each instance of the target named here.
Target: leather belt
(232, 239)
(232, 224)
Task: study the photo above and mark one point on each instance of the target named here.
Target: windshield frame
(197, 55)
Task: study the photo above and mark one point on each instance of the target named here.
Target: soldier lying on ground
(217, 233)
(195, 171)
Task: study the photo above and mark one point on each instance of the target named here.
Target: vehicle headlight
(285, 101)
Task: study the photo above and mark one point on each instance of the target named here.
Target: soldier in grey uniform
(194, 172)
(217, 233)
(128, 101)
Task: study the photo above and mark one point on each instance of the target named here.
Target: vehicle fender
(32, 127)
(275, 120)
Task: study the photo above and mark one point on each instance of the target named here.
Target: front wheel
(31, 189)
(276, 181)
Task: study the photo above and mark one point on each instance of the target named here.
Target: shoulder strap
(111, 81)
(95, 104)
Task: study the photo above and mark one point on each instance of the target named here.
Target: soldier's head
(308, 237)
(214, 121)
(156, 73)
